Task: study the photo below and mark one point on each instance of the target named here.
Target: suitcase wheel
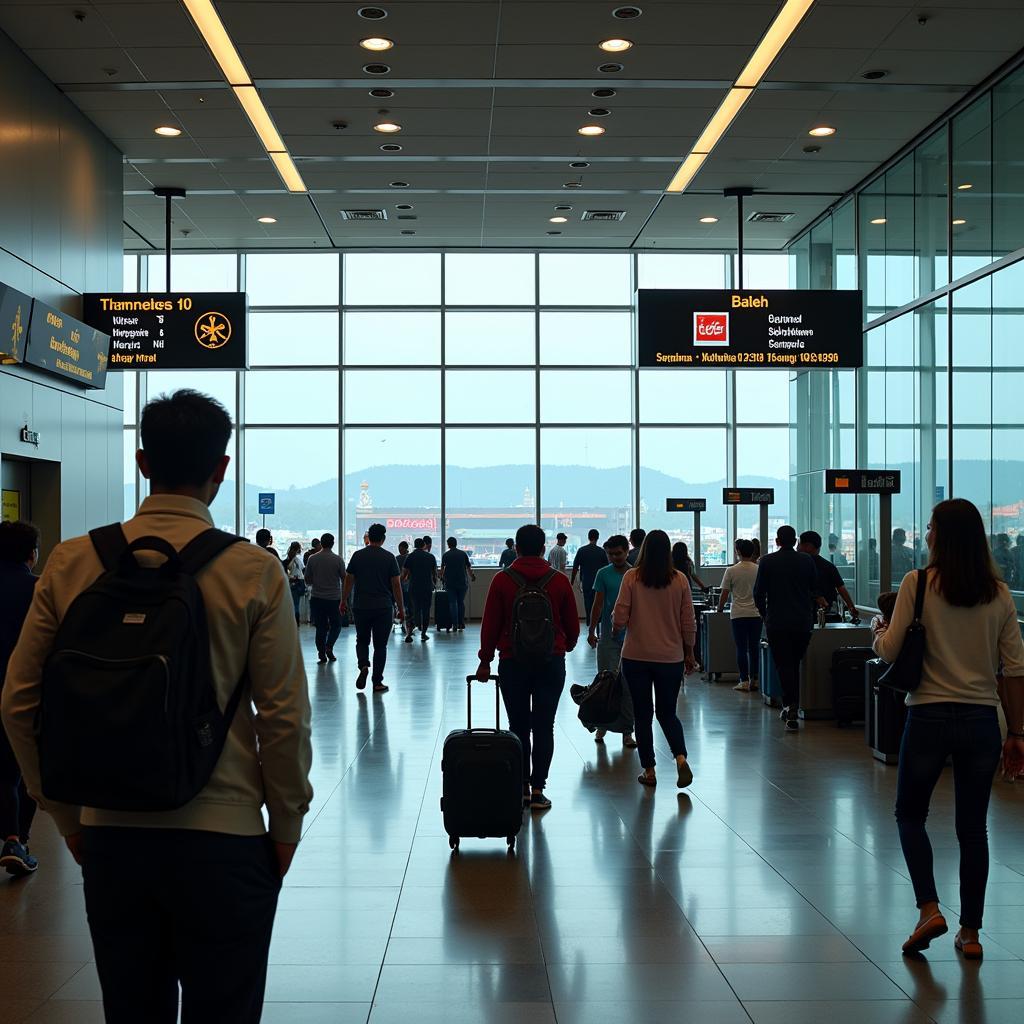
(453, 843)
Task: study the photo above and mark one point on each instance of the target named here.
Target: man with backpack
(165, 660)
(530, 619)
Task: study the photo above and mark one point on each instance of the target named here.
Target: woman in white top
(745, 619)
(971, 628)
(293, 570)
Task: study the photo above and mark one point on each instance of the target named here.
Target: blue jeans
(747, 634)
(666, 679)
(457, 606)
(970, 734)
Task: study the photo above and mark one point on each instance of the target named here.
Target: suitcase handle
(469, 701)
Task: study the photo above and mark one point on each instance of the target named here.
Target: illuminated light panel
(376, 44)
(772, 42)
(267, 220)
(558, 220)
(721, 119)
(387, 127)
(212, 29)
(590, 130)
(288, 171)
(260, 119)
(709, 220)
(878, 220)
(964, 187)
(687, 171)
(822, 130)
(168, 130)
(959, 222)
(616, 45)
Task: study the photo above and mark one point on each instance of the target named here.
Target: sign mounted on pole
(748, 496)
(266, 504)
(862, 481)
(686, 504)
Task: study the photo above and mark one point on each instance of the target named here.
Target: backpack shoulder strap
(204, 548)
(922, 586)
(110, 544)
(514, 576)
(546, 579)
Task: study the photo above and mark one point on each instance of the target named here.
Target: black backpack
(533, 620)
(129, 719)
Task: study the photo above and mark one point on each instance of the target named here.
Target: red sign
(426, 523)
(711, 329)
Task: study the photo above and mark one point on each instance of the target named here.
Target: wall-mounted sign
(748, 496)
(686, 504)
(10, 506)
(66, 347)
(29, 436)
(173, 330)
(15, 312)
(411, 523)
(782, 330)
(862, 481)
(266, 504)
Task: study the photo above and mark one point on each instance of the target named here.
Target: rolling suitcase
(442, 612)
(482, 779)
(771, 687)
(848, 703)
(889, 715)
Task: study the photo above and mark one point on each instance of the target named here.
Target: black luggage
(442, 612)
(888, 715)
(771, 685)
(848, 704)
(482, 779)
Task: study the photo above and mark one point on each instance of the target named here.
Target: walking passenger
(601, 636)
(757, 549)
(971, 632)
(558, 557)
(636, 539)
(374, 573)
(314, 547)
(19, 551)
(830, 584)
(295, 571)
(324, 573)
(655, 608)
(786, 593)
(407, 624)
(421, 574)
(265, 540)
(590, 558)
(456, 572)
(508, 556)
(745, 619)
(531, 669)
(683, 563)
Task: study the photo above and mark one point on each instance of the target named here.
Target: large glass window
(392, 396)
(194, 272)
(490, 279)
(291, 396)
(293, 339)
(586, 396)
(395, 339)
(586, 339)
(495, 338)
(393, 279)
(592, 279)
(292, 279)
(490, 396)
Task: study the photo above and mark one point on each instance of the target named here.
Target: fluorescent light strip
(212, 29)
(721, 119)
(288, 171)
(253, 106)
(779, 31)
(687, 172)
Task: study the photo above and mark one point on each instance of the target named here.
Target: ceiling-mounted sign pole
(739, 194)
(168, 193)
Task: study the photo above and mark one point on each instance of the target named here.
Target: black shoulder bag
(904, 674)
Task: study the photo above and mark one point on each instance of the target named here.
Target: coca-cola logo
(412, 524)
(711, 329)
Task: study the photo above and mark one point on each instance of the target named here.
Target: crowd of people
(156, 927)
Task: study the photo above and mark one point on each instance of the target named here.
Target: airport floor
(772, 891)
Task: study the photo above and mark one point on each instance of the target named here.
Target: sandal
(922, 936)
(969, 950)
(647, 780)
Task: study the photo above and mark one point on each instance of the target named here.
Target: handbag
(904, 674)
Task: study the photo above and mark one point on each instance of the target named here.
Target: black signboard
(782, 330)
(862, 481)
(173, 331)
(15, 311)
(686, 504)
(748, 496)
(66, 347)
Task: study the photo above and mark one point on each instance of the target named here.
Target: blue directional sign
(266, 503)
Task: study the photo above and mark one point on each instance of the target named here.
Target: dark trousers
(588, 603)
(457, 607)
(374, 624)
(970, 734)
(788, 647)
(531, 693)
(421, 601)
(747, 635)
(169, 907)
(665, 680)
(326, 616)
(17, 808)
(297, 593)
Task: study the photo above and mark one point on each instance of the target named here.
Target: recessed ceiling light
(579, 165)
(964, 187)
(408, 231)
(878, 220)
(378, 44)
(558, 220)
(382, 94)
(591, 129)
(377, 69)
(267, 220)
(812, 149)
(169, 130)
(616, 45)
(391, 147)
(822, 130)
(387, 127)
(873, 76)
(603, 94)
(573, 184)
(404, 206)
(959, 222)
(562, 209)
(609, 69)
(399, 184)
(372, 13)
(627, 13)
(554, 232)
(599, 111)
(709, 220)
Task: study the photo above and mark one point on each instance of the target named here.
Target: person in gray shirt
(324, 573)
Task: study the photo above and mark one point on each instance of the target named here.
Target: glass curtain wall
(467, 393)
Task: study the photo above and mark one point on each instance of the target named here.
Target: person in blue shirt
(508, 556)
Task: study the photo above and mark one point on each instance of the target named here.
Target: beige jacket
(267, 757)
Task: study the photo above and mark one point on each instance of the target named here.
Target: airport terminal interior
(455, 266)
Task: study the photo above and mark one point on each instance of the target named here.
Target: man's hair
(530, 540)
(510, 542)
(899, 536)
(811, 537)
(744, 548)
(403, 545)
(786, 536)
(593, 535)
(427, 539)
(184, 436)
(452, 542)
(18, 541)
(616, 541)
(561, 536)
(377, 533)
(327, 540)
(419, 543)
(263, 537)
(315, 542)
(636, 537)
(833, 540)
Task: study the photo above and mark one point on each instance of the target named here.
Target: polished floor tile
(772, 891)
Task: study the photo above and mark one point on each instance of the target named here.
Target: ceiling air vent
(364, 215)
(603, 214)
(764, 217)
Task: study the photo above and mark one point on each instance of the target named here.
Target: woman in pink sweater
(656, 610)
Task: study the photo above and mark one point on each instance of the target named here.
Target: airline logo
(843, 483)
(711, 330)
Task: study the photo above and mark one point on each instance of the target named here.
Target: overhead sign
(748, 496)
(686, 504)
(15, 311)
(66, 347)
(862, 481)
(172, 330)
(775, 329)
(266, 504)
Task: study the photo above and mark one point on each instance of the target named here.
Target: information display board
(748, 496)
(686, 504)
(862, 481)
(15, 311)
(782, 330)
(172, 330)
(65, 347)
